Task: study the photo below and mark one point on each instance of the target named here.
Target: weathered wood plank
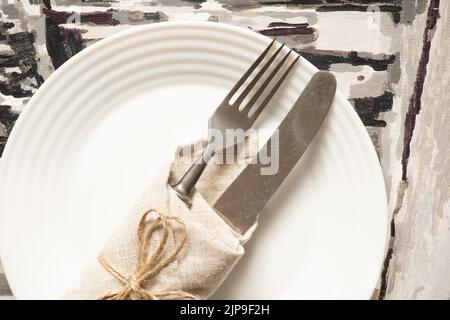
(4, 288)
(419, 267)
(19, 74)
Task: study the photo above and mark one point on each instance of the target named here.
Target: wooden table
(391, 59)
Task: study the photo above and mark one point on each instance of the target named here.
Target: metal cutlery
(247, 195)
(235, 115)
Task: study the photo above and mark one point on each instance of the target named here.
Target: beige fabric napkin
(211, 250)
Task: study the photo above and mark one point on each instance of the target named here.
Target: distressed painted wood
(419, 266)
(377, 51)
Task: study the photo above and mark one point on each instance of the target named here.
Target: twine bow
(148, 265)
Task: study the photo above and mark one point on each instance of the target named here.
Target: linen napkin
(165, 249)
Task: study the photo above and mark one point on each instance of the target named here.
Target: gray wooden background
(391, 58)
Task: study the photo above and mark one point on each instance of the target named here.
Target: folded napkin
(165, 249)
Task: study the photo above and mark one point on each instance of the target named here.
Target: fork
(231, 116)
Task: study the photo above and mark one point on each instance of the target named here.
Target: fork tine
(257, 77)
(248, 73)
(252, 101)
(273, 91)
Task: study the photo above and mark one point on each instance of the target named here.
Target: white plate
(98, 130)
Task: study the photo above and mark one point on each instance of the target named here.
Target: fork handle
(186, 185)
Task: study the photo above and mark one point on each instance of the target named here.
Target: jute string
(148, 264)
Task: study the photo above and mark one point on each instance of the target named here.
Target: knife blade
(241, 203)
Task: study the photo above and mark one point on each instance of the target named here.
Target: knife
(241, 203)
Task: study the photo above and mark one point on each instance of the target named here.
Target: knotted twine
(148, 264)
